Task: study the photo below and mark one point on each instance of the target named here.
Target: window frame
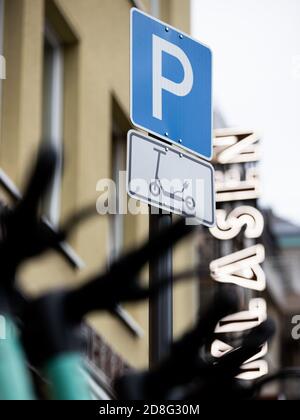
(117, 222)
(53, 128)
(2, 10)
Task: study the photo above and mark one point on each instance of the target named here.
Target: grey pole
(160, 307)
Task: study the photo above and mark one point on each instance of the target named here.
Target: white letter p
(160, 83)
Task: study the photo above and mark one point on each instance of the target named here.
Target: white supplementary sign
(164, 177)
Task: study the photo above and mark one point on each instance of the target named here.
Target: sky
(256, 47)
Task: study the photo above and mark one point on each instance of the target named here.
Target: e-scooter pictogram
(156, 189)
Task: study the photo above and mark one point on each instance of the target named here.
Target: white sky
(256, 46)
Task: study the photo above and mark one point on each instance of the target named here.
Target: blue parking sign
(171, 84)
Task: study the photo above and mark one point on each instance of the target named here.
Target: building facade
(67, 82)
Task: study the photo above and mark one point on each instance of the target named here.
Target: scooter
(156, 189)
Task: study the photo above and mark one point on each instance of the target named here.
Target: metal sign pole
(153, 112)
(160, 307)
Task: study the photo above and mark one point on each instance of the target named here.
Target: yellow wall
(96, 36)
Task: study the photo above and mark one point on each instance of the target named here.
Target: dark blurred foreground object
(25, 234)
(186, 375)
(50, 331)
(53, 321)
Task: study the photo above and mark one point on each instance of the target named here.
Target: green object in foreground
(67, 382)
(15, 381)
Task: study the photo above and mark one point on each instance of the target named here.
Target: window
(2, 60)
(122, 224)
(53, 86)
(118, 220)
(1, 25)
